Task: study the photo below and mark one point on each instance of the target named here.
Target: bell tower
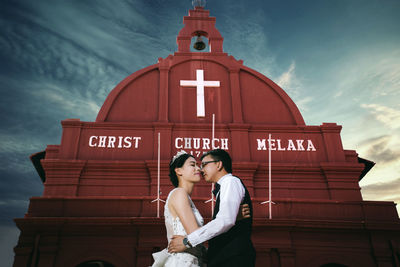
(199, 23)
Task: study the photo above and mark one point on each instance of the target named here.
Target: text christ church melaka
(100, 181)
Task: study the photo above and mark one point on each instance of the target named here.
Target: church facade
(101, 181)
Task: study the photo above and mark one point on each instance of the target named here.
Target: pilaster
(62, 177)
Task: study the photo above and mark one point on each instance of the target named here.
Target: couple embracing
(228, 233)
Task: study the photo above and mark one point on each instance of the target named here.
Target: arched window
(95, 263)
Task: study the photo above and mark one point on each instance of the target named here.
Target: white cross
(200, 84)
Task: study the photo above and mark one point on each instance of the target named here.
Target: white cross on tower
(199, 83)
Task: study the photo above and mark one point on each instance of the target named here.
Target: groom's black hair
(177, 163)
(220, 155)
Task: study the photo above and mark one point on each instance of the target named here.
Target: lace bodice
(190, 257)
(174, 225)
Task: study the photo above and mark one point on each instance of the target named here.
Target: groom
(229, 242)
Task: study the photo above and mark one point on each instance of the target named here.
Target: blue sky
(339, 60)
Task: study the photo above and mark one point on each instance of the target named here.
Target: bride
(181, 215)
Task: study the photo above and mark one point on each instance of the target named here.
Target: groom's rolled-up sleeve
(231, 196)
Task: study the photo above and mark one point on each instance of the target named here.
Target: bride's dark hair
(177, 163)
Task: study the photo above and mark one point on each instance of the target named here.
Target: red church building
(97, 207)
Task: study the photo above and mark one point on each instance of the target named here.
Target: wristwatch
(187, 243)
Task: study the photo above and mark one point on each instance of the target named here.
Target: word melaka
(289, 145)
(203, 144)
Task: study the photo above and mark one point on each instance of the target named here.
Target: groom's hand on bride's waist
(176, 244)
(243, 213)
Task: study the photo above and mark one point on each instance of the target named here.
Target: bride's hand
(244, 212)
(176, 244)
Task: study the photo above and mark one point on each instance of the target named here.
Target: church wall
(130, 242)
(138, 101)
(261, 104)
(285, 208)
(303, 165)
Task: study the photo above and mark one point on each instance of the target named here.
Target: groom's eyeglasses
(203, 164)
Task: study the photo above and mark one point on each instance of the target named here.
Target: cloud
(286, 80)
(247, 38)
(385, 75)
(11, 143)
(68, 101)
(292, 85)
(367, 81)
(60, 74)
(17, 161)
(338, 94)
(390, 117)
(9, 239)
(389, 191)
(14, 204)
(381, 149)
(110, 28)
(254, 48)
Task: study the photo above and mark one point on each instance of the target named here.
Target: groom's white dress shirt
(231, 195)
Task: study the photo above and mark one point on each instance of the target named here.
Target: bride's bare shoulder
(178, 193)
(179, 197)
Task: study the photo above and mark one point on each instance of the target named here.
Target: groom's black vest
(237, 241)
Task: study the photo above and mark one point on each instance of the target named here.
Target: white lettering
(271, 144)
(111, 141)
(279, 145)
(120, 141)
(176, 142)
(197, 146)
(200, 145)
(213, 143)
(196, 143)
(102, 141)
(127, 142)
(91, 141)
(224, 143)
(188, 143)
(300, 145)
(114, 141)
(206, 143)
(291, 145)
(137, 141)
(310, 146)
(261, 144)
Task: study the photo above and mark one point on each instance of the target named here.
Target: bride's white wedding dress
(175, 227)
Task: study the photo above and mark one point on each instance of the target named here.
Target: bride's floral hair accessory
(178, 154)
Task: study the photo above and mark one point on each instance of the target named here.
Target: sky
(339, 60)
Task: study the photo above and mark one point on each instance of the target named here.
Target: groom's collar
(223, 177)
